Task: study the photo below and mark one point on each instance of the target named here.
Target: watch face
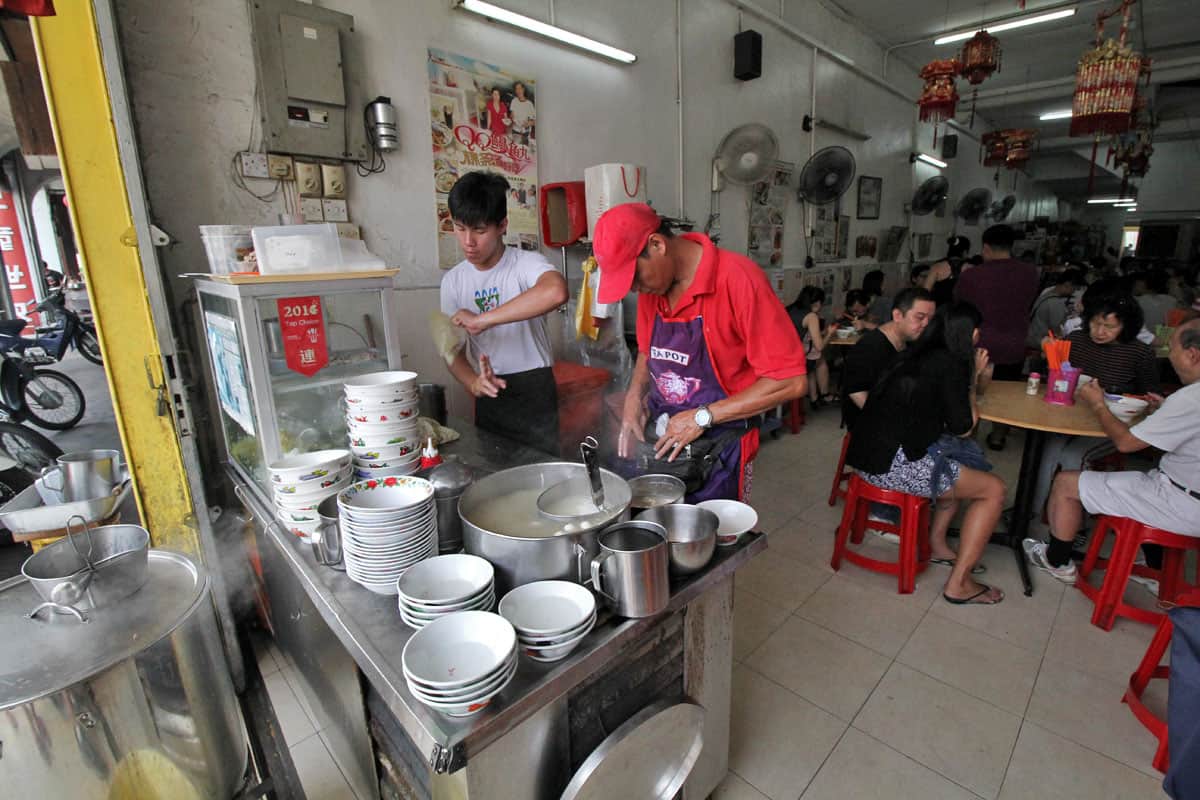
(703, 417)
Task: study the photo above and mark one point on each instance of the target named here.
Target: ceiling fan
(745, 156)
(973, 205)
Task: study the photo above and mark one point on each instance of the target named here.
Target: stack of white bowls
(458, 663)
(444, 585)
(550, 617)
(381, 422)
(299, 483)
(387, 525)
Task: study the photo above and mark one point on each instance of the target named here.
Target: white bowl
(385, 496)
(378, 384)
(481, 689)
(467, 708)
(373, 441)
(486, 597)
(536, 640)
(387, 414)
(546, 608)
(305, 467)
(1125, 407)
(458, 649)
(555, 652)
(736, 518)
(380, 403)
(389, 452)
(369, 426)
(844, 333)
(412, 467)
(418, 620)
(312, 488)
(447, 580)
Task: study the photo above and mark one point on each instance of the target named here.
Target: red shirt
(1003, 290)
(746, 329)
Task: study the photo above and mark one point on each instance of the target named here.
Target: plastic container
(1060, 386)
(227, 248)
(297, 248)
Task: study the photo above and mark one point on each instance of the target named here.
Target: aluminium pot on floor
(136, 703)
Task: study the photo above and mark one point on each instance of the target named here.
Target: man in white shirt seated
(1167, 497)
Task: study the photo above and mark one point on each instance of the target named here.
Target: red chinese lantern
(1018, 146)
(995, 149)
(939, 97)
(980, 57)
(1106, 81)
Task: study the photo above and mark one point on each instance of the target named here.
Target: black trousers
(526, 411)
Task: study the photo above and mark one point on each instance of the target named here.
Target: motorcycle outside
(44, 397)
(50, 343)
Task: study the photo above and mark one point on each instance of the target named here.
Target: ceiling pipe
(833, 55)
(1168, 71)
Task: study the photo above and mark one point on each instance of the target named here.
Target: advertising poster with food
(768, 207)
(483, 117)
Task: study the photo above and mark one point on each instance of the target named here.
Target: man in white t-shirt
(521, 112)
(1166, 498)
(498, 295)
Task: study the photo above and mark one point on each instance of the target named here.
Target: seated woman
(1108, 350)
(914, 436)
(815, 333)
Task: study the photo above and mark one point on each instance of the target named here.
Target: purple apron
(684, 379)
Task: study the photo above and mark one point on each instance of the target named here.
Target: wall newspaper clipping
(483, 117)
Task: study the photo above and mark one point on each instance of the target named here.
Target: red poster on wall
(16, 263)
(303, 326)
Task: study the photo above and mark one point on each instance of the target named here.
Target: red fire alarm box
(563, 210)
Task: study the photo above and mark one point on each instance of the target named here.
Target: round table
(845, 341)
(1007, 403)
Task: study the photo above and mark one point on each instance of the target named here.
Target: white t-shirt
(1175, 429)
(515, 346)
(520, 112)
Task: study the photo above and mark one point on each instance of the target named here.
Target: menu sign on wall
(16, 264)
(483, 117)
(302, 323)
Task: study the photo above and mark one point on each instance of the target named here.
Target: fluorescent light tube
(1125, 203)
(1063, 114)
(1021, 22)
(928, 159)
(1108, 200)
(549, 31)
(1129, 208)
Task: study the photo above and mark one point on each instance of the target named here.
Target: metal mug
(630, 572)
(86, 475)
(327, 542)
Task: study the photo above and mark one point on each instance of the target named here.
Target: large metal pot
(138, 702)
(501, 523)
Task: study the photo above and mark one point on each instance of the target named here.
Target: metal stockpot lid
(451, 478)
(650, 756)
(55, 651)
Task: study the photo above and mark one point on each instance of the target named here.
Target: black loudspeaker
(747, 55)
(950, 146)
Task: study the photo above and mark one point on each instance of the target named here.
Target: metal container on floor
(137, 703)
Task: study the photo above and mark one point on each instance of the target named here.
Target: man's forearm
(756, 398)
(545, 295)
(1117, 431)
(460, 368)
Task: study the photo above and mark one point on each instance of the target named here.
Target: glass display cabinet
(279, 351)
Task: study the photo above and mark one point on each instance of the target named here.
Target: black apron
(526, 410)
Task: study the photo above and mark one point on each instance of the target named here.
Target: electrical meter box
(302, 86)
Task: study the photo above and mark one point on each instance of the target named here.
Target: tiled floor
(845, 689)
(319, 773)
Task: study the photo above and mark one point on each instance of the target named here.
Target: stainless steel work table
(369, 628)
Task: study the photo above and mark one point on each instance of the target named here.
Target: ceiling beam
(1172, 130)
(1168, 71)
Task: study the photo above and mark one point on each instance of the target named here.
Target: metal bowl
(691, 534)
(118, 553)
(652, 491)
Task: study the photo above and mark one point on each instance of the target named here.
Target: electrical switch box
(335, 210)
(280, 167)
(253, 165)
(333, 179)
(312, 209)
(298, 48)
(308, 179)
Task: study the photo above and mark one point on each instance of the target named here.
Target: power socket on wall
(253, 165)
(280, 167)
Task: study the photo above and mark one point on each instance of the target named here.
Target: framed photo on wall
(870, 194)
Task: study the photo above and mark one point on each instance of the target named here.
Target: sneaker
(1035, 551)
(1150, 584)
(890, 538)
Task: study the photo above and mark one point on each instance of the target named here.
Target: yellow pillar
(69, 57)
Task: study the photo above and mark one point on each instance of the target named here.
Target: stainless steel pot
(501, 523)
(630, 572)
(136, 703)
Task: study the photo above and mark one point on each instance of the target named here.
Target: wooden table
(845, 342)
(1006, 402)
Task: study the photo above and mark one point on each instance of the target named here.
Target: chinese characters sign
(16, 263)
(302, 324)
(483, 118)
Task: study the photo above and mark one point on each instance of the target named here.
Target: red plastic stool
(794, 415)
(1150, 669)
(842, 475)
(913, 531)
(1109, 597)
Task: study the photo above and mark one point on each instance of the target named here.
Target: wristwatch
(704, 417)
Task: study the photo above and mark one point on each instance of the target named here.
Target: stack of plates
(381, 421)
(299, 483)
(458, 663)
(444, 585)
(551, 618)
(387, 525)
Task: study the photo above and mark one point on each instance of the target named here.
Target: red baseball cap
(619, 238)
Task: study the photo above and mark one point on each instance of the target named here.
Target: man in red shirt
(1003, 289)
(715, 345)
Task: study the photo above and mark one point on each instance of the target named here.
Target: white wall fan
(745, 156)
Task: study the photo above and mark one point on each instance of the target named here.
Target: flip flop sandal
(978, 569)
(973, 600)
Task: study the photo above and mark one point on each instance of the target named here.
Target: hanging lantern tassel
(939, 97)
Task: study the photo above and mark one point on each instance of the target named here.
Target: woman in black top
(915, 431)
